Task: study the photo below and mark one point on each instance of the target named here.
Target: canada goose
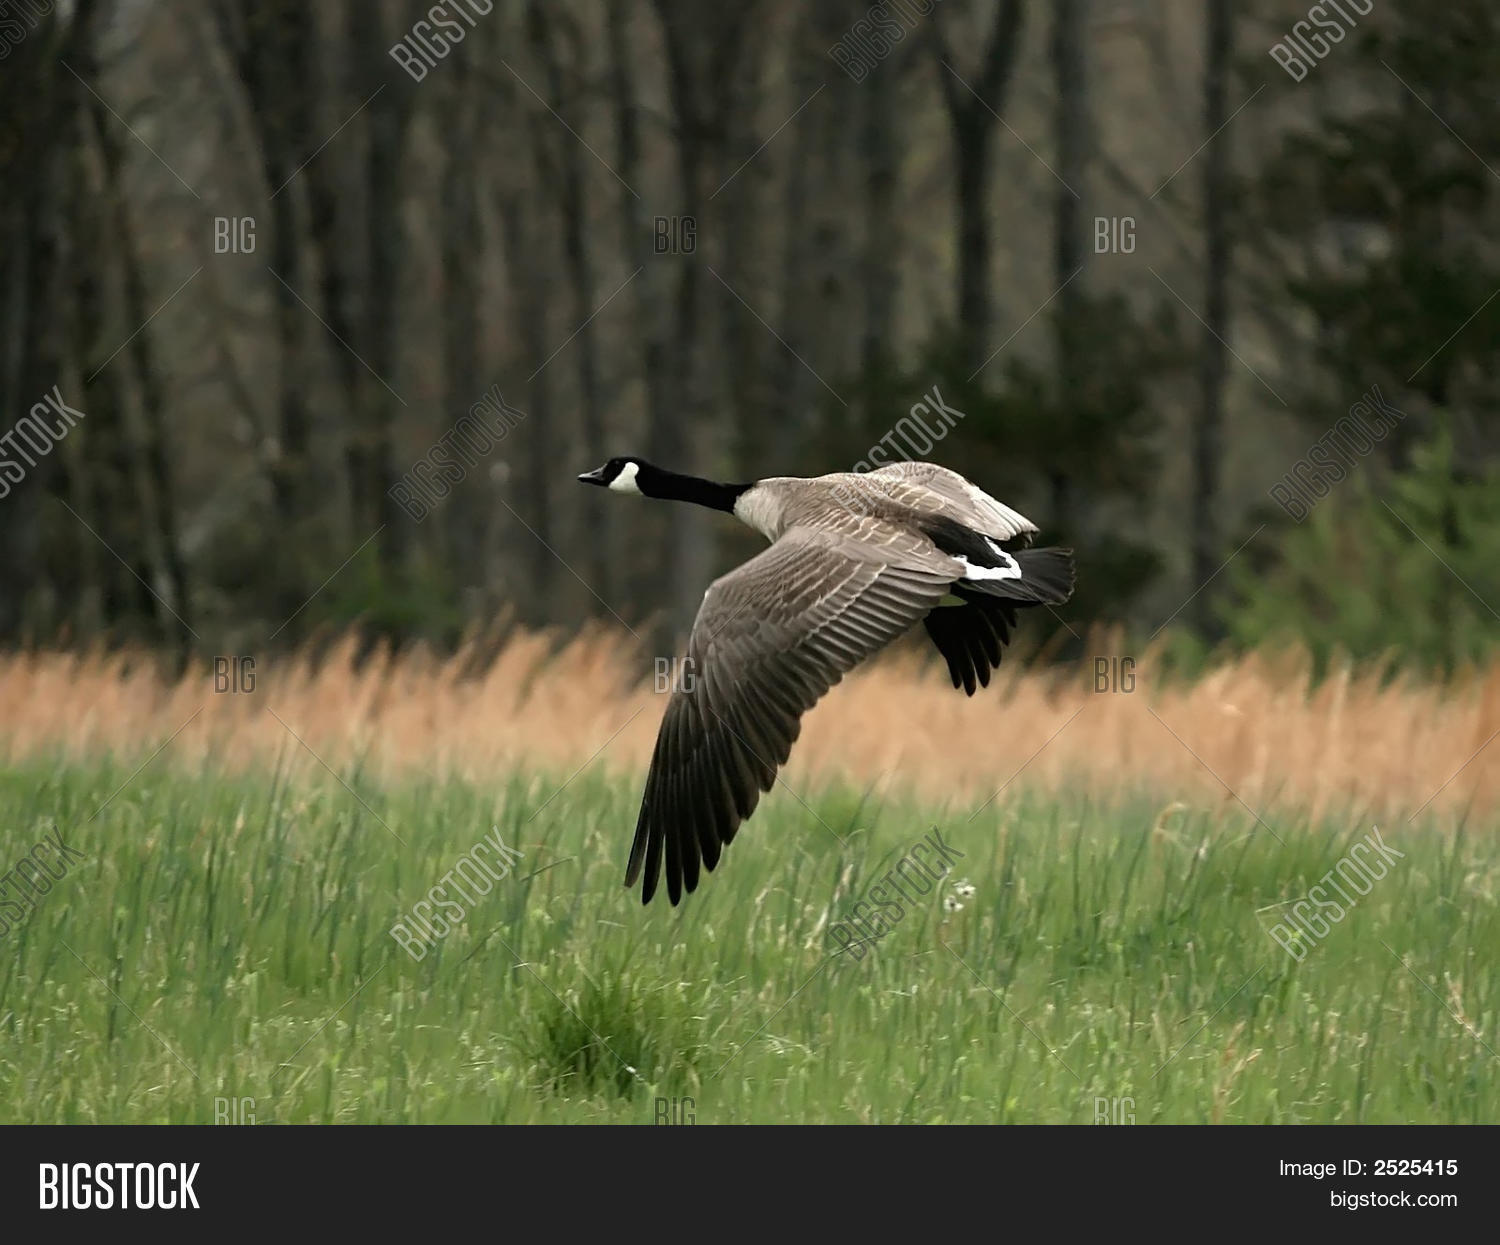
(855, 560)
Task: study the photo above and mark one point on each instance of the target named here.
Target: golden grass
(1254, 726)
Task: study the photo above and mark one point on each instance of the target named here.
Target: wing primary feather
(771, 638)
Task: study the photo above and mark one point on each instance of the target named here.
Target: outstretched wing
(770, 639)
(954, 497)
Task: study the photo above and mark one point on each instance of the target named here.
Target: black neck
(672, 486)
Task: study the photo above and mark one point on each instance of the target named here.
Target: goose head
(620, 475)
(629, 474)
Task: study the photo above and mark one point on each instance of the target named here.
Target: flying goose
(855, 560)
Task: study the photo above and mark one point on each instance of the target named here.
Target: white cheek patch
(625, 481)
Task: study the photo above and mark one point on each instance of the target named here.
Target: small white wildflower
(950, 904)
(963, 887)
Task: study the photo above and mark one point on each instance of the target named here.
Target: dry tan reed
(1256, 727)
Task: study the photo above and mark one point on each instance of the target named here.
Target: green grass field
(228, 939)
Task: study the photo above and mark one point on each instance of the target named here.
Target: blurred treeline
(1150, 260)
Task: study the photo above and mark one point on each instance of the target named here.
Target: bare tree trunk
(648, 526)
(291, 468)
(336, 230)
(834, 121)
(570, 155)
(791, 385)
(272, 48)
(39, 101)
(692, 543)
(157, 493)
(464, 519)
(975, 101)
(93, 565)
(1213, 365)
(880, 145)
(1070, 128)
(733, 239)
(386, 117)
(701, 45)
(526, 266)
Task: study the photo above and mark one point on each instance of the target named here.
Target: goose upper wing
(960, 500)
(770, 638)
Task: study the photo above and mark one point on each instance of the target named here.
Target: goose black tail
(1049, 573)
(1046, 578)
